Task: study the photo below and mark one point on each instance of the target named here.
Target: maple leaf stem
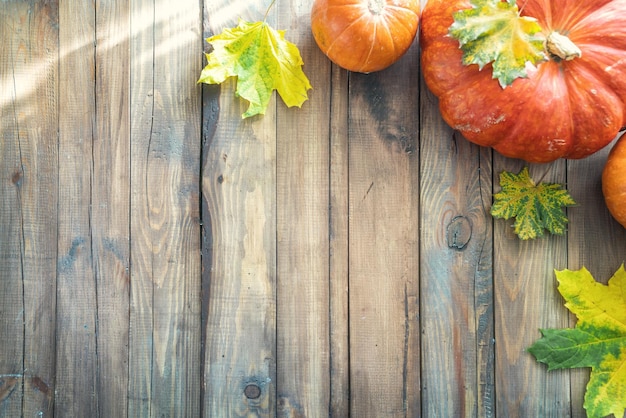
(267, 12)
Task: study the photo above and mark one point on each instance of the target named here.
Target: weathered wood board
(162, 256)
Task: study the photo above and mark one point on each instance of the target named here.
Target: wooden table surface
(160, 256)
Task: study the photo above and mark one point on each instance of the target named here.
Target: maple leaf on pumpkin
(493, 31)
(598, 341)
(262, 60)
(535, 207)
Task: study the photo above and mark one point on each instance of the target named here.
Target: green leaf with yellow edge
(598, 341)
(535, 207)
(262, 60)
(493, 31)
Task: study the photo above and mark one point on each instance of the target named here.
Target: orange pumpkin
(614, 181)
(364, 35)
(565, 108)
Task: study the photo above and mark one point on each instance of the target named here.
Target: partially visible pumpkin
(563, 109)
(614, 181)
(364, 35)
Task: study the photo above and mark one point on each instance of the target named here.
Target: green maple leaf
(493, 31)
(262, 60)
(598, 340)
(535, 207)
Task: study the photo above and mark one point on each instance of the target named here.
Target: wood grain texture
(160, 256)
(12, 244)
(76, 287)
(165, 234)
(526, 299)
(34, 71)
(238, 186)
(302, 204)
(339, 246)
(384, 241)
(142, 114)
(28, 127)
(456, 273)
(111, 203)
(239, 192)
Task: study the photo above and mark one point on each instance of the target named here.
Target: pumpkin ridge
(571, 18)
(554, 70)
(397, 21)
(374, 36)
(594, 69)
(387, 26)
(401, 9)
(595, 74)
(343, 32)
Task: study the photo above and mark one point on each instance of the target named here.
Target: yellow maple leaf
(262, 60)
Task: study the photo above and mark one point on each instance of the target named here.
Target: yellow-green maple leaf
(262, 60)
(493, 31)
(535, 207)
(598, 341)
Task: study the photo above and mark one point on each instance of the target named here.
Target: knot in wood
(252, 391)
(16, 178)
(459, 232)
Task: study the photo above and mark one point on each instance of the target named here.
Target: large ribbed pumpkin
(565, 108)
(364, 35)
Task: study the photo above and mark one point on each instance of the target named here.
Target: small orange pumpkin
(614, 181)
(364, 35)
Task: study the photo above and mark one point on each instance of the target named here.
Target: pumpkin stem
(376, 6)
(561, 46)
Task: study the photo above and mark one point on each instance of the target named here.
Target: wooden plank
(384, 241)
(76, 288)
(526, 299)
(302, 195)
(456, 271)
(12, 245)
(165, 276)
(111, 204)
(595, 241)
(339, 246)
(29, 127)
(35, 94)
(239, 199)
